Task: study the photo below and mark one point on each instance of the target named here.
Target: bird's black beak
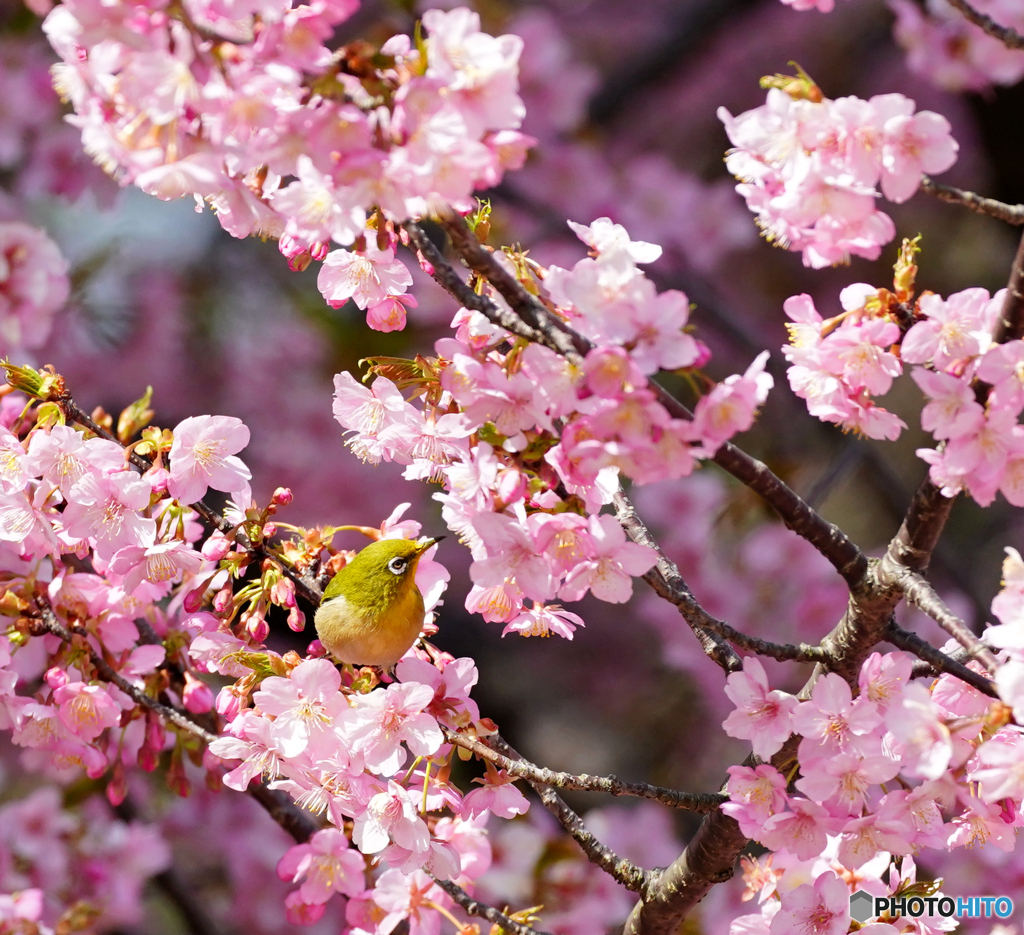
(426, 545)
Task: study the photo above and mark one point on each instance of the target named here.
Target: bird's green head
(380, 573)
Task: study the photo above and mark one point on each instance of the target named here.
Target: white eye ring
(397, 566)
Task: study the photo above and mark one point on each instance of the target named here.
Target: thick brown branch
(628, 874)
(474, 907)
(709, 858)
(298, 822)
(1008, 37)
(1011, 214)
(691, 801)
(936, 659)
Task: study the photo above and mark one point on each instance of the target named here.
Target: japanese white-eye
(372, 610)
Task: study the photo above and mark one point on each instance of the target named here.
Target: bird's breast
(372, 635)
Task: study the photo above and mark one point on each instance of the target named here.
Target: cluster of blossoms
(108, 569)
(809, 167)
(951, 51)
(907, 764)
(974, 386)
(342, 751)
(245, 107)
(530, 447)
(945, 47)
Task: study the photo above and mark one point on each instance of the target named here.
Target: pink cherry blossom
(325, 866)
(762, 716)
(203, 456)
(158, 563)
(821, 908)
(304, 707)
(390, 816)
(379, 723)
(608, 572)
(367, 278)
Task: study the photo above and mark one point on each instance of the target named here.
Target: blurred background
(622, 98)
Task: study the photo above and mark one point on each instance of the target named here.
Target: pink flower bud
(194, 599)
(300, 261)
(117, 788)
(316, 650)
(158, 478)
(228, 704)
(257, 627)
(198, 696)
(269, 530)
(511, 486)
(148, 758)
(296, 620)
(283, 593)
(216, 547)
(282, 496)
(56, 677)
(222, 600)
(425, 264)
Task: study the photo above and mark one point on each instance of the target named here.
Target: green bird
(372, 610)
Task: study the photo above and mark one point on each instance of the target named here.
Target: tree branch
(1011, 320)
(1008, 37)
(937, 660)
(628, 874)
(668, 583)
(49, 622)
(919, 592)
(1011, 214)
(474, 907)
(702, 802)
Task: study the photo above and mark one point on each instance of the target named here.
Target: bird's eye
(397, 565)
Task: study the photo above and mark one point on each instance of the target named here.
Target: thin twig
(48, 620)
(474, 907)
(936, 659)
(1011, 214)
(919, 592)
(1011, 318)
(628, 874)
(668, 583)
(702, 802)
(1008, 37)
